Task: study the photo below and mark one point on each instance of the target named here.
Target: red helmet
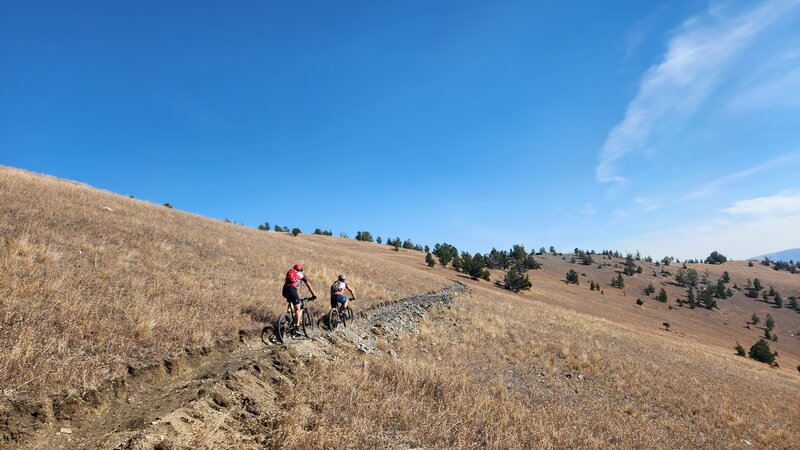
(298, 267)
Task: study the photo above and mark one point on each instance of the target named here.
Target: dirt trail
(225, 396)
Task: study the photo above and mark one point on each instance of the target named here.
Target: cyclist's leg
(291, 295)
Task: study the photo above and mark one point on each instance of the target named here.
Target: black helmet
(341, 277)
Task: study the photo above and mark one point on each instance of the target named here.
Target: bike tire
(266, 333)
(308, 323)
(333, 319)
(349, 313)
(282, 327)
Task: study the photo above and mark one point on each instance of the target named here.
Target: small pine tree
(778, 300)
(740, 350)
(649, 289)
(572, 277)
(296, 231)
(769, 323)
(264, 226)
(754, 319)
(760, 351)
(662, 296)
(429, 259)
(168, 205)
(379, 240)
(690, 298)
(516, 281)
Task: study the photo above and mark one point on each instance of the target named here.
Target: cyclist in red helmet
(293, 278)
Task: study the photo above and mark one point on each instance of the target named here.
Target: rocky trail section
(224, 396)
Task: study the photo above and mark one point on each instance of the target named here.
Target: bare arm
(308, 285)
(352, 294)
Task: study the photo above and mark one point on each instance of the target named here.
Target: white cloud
(778, 90)
(697, 59)
(715, 186)
(775, 205)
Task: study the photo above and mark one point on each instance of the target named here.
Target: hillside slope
(93, 284)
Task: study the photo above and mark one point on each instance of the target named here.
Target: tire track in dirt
(224, 396)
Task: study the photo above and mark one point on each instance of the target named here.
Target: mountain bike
(340, 314)
(285, 323)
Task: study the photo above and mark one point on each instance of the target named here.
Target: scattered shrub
(760, 351)
(572, 277)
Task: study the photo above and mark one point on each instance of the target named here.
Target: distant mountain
(783, 255)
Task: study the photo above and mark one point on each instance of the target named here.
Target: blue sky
(672, 128)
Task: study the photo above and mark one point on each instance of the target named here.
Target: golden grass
(90, 280)
(478, 377)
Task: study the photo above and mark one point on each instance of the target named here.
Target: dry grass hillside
(91, 281)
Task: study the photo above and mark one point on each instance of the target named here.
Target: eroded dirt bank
(225, 396)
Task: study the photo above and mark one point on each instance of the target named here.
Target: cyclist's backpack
(337, 287)
(293, 278)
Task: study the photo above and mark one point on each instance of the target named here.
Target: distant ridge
(783, 255)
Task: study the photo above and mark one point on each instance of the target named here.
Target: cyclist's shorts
(336, 299)
(291, 295)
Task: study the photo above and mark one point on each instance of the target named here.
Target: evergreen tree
(364, 236)
(690, 298)
(474, 266)
(778, 300)
(445, 252)
(754, 319)
(586, 259)
(757, 285)
(572, 277)
(264, 226)
(296, 231)
(706, 297)
(630, 265)
(429, 259)
(760, 351)
(649, 289)
(726, 278)
(662, 296)
(716, 258)
(769, 323)
(379, 240)
(516, 281)
(740, 350)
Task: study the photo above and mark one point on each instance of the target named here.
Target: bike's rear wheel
(333, 319)
(266, 333)
(308, 324)
(283, 327)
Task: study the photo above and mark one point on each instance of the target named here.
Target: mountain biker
(293, 278)
(337, 292)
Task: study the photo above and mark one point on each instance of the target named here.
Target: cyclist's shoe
(313, 297)
(296, 332)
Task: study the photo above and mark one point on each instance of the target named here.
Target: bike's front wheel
(308, 324)
(348, 313)
(333, 319)
(283, 327)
